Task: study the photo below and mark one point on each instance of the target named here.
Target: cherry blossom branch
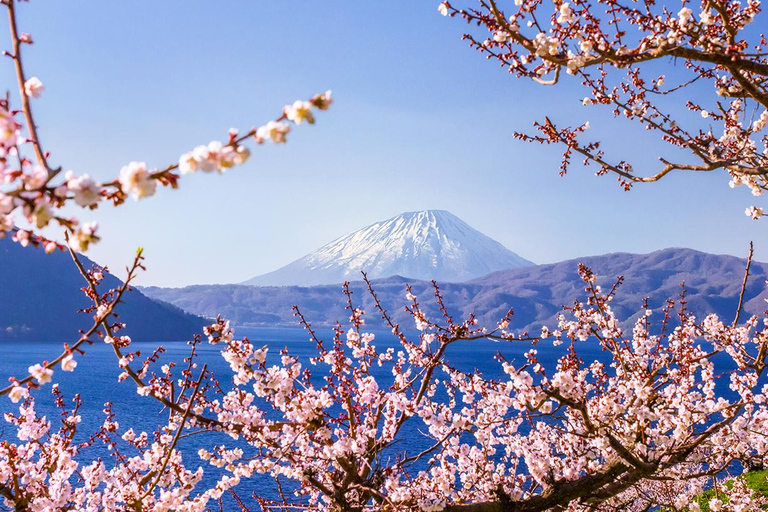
(23, 85)
(622, 39)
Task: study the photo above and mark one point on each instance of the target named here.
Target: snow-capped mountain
(431, 244)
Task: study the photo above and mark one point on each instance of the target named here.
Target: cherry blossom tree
(645, 427)
(621, 53)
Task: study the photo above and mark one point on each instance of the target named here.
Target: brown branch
(744, 285)
(553, 132)
(562, 492)
(729, 62)
(27, 108)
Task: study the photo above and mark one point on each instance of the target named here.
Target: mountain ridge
(427, 244)
(536, 294)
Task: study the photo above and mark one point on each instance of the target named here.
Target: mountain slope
(536, 294)
(432, 244)
(40, 295)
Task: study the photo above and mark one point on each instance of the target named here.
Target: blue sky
(420, 121)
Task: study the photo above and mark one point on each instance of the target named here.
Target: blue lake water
(95, 379)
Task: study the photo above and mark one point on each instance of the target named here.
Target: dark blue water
(95, 379)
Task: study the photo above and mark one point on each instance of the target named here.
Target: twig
(175, 438)
(744, 285)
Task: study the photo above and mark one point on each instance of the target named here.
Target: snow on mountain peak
(429, 244)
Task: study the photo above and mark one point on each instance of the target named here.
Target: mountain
(536, 294)
(431, 244)
(40, 296)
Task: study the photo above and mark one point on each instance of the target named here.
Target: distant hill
(430, 244)
(536, 293)
(40, 295)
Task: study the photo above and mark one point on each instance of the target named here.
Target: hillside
(40, 295)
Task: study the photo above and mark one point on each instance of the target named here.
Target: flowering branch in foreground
(39, 192)
(616, 50)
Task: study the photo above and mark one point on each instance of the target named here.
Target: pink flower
(299, 112)
(68, 364)
(40, 373)
(34, 87)
(136, 180)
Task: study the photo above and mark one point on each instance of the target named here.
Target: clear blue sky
(420, 121)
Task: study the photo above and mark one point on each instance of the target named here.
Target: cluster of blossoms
(217, 156)
(643, 428)
(612, 48)
(213, 157)
(44, 471)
